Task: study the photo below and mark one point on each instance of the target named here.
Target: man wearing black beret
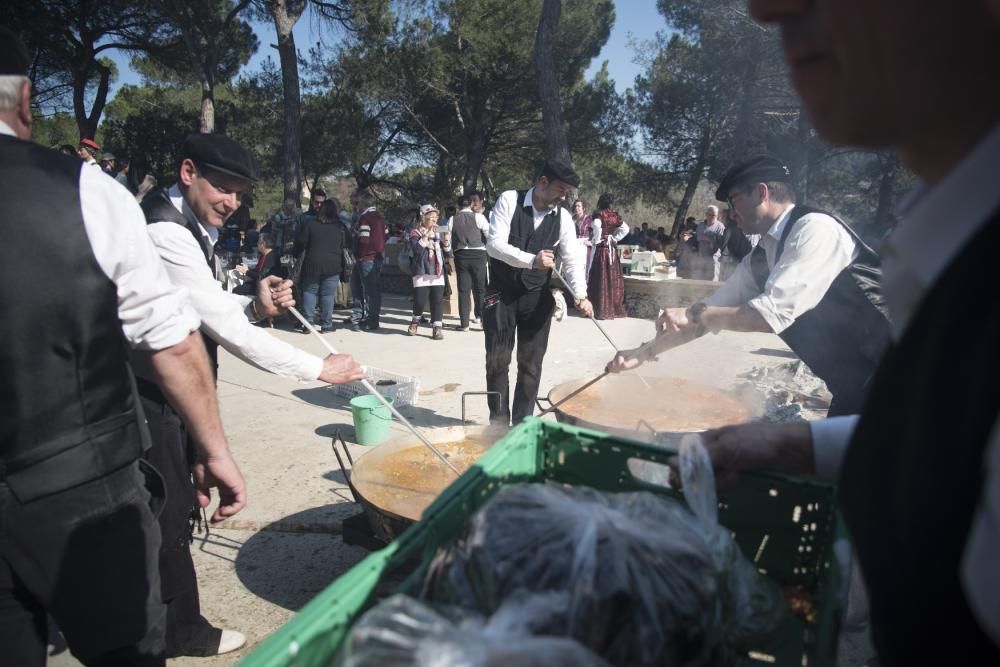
(527, 228)
(184, 221)
(810, 280)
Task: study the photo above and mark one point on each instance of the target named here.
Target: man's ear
(187, 172)
(764, 192)
(24, 106)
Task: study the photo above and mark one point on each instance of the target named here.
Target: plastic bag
(403, 632)
(750, 605)
(640, 582)
(649, 582)
(559, 312)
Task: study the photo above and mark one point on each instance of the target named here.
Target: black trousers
(172, 453)
(428, 293)
(470, 270)
(525, 317)
(87, 556)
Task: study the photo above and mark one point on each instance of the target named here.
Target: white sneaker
(230, 641)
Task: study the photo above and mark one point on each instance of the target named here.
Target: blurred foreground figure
(919, 470)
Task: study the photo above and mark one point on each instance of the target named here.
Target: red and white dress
(606, 283)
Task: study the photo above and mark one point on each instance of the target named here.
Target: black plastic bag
(640, 582)
(649, 582)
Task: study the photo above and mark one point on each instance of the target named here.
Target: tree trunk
(556, 146)
(87, 122)
(475, 153)
(284, 21)
(694, 178)
(206, 118)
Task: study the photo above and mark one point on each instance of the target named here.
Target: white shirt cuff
(830, 438)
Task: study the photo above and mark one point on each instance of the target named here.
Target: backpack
(407, 257)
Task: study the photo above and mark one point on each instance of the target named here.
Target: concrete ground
(257, 569)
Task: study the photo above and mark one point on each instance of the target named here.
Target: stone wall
(644, 297)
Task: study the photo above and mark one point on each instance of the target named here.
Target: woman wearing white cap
(428, 271)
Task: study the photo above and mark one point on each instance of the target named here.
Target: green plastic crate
(787, 526)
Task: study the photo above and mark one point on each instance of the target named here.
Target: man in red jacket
(369, 244)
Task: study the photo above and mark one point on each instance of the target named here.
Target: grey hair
(713, 208)
(10, 91)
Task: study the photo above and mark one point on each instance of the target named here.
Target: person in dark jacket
(268, 264)
(320, 247)
(428, 271)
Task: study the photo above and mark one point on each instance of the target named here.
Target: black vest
(523, 235)
(913, 474)
(465, 234)
(157, 208)
(842, 339)
(69, 408)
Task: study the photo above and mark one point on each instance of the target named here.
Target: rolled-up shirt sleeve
(571, 254)
(621, 232)
(815, 252)
(222, 314)
(154, 313)
(738, 289)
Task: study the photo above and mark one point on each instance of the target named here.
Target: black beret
(554, 170)
(760, 169)
(219, 153)
(14, 59)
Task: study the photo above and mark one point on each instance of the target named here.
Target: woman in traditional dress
(584, 230)
(606, 284)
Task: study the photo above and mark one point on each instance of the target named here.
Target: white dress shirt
(223, 315)
(569, 251)
(816, 251)
(598, 224)
(154, 314)
(937, 223)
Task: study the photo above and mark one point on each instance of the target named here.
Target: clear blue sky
(635, 21)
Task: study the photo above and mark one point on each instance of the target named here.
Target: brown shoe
(412, 329)
(437, 334)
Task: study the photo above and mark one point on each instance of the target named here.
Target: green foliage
(69, 41)
(716, 91)
(55, 130)
(206, 31)
(149, 123)
(460, 87)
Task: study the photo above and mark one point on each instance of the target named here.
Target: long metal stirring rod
(596, 323)
(371, 390)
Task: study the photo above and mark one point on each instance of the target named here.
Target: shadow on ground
(772, 352)
(326, 398)
(289, 561)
